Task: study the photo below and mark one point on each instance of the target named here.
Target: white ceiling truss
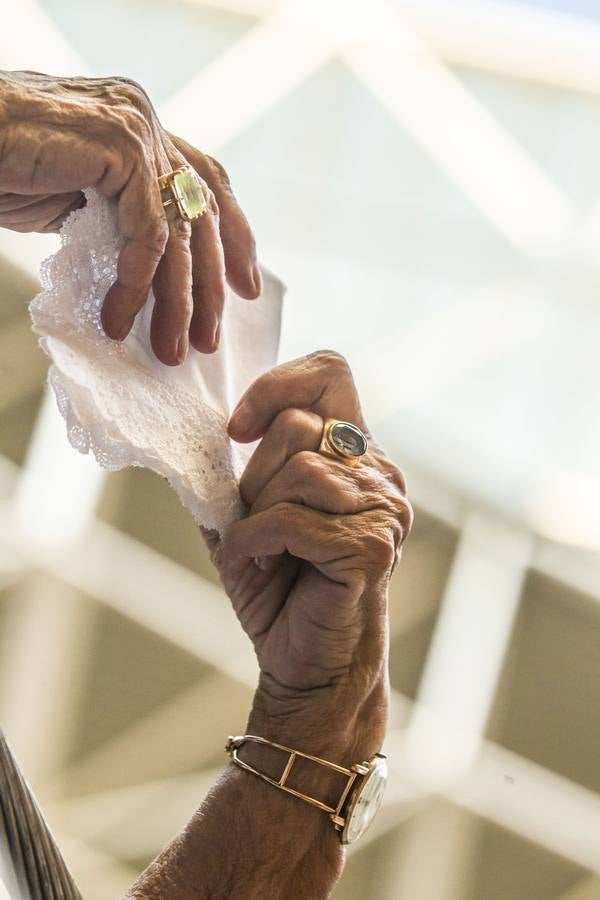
(289, 42)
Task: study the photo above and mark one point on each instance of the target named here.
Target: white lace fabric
(120, 402)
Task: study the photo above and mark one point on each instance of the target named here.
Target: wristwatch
(359, 800)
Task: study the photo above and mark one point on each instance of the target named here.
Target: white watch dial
(368, 800)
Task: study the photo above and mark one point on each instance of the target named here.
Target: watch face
(366, 803)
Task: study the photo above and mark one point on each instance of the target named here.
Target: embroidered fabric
(123, 405)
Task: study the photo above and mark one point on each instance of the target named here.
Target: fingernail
(256, 278)
(182, 348)
(241, 418)
(123, 331)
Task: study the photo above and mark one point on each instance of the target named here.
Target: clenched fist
(308, 569)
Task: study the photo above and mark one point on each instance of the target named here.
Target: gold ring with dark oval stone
(343, 440)
(182, 189)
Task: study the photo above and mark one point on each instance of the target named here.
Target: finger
(239, 246)
(172, 284)
(173, 292)
(144, 228)
(321, 382)
(291, 431)
(208, 276)
(329, 487)
(286, 528)
(22, 212)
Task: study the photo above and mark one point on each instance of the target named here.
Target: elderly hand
(308, 569)
(59, 135)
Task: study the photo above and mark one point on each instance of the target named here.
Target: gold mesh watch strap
(234, 743)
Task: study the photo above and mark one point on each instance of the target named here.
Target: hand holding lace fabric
(120, 402)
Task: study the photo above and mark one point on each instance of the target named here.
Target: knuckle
(157, 235)
(133, 92)
(289, 420)
(283, 515)
(304, 466)
(180, 229)
(406, 517)
(331, 360)
(219, 171)
(382, 547)
(397, 478)
(211, 202)
(401, 518)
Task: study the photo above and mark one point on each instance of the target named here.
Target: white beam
(430, 858)
(254, 73)
(24, 251)
(516, 794)
(459, 133)
(512, 39)
(33, 41)
(535, 803)
(58, 487)
(517, 40)
(43, 656)
(472, 631)
(530, 811)
(137, 820)
(389, 57)
(182, 733)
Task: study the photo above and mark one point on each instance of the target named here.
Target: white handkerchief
(120, 402)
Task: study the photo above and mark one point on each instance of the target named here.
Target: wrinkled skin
(59, 135)
(307, 570)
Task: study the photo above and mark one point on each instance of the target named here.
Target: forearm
(251, 840)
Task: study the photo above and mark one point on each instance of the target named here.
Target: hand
(59, 135)
(307, 570)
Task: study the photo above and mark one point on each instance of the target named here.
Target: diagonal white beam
(43, 655)
(124, 822)
(458, 132)
(58, 488)
(255, 72)
(487, 163)
(516, 794)
(180, 731)
(507, 38)
(504, 788)
(44, 48)
(529, 811)
(514, 39)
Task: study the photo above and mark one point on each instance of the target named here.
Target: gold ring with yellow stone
(182, 189)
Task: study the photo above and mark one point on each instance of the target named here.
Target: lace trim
(116, 399)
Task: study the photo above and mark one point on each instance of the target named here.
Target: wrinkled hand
(59, 135)
(307, 570)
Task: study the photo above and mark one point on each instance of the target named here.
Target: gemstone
(348, 439)
(188, 191)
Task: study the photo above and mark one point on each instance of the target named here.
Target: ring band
(182, 188)
(343, 440)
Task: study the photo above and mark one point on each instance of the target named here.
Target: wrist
(335, 723)
(344, 722)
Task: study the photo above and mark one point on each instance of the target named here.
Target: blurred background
(424, 176)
